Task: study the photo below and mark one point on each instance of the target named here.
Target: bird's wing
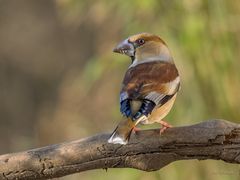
(156, 82)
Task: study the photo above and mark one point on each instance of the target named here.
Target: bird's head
(144, 47)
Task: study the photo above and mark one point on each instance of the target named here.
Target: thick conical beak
(125, 47)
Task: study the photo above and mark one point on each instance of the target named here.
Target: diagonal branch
(147, 150)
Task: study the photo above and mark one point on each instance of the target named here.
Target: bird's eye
(140, 41)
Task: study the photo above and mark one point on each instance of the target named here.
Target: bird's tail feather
(122, 132)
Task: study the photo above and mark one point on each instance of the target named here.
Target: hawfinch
(149, 87)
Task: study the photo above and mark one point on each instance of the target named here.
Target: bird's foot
(162, 129)
(135, 129)
(165, 126)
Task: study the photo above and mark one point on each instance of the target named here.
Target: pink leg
(165, 126)
(135, 129)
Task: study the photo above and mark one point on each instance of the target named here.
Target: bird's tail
(122, 132)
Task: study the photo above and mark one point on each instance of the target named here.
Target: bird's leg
(165, 126)
(136, 129)
(164, 123)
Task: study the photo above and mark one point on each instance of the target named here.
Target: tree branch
(147, 150)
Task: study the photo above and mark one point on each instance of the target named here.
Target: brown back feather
(156, 74)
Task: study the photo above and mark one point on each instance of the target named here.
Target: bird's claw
(165, 126)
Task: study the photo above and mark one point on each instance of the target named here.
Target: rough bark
(147, 151)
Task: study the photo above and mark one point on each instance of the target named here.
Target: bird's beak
(125, 47)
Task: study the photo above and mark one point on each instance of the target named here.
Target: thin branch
(147, 150)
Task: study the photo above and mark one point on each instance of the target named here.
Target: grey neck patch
(160, 58)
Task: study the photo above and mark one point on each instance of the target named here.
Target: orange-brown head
(144, 47)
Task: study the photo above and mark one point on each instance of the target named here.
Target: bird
(149, 87)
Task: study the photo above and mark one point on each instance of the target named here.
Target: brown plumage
(150, 84)
(145, 78)
(147, 37)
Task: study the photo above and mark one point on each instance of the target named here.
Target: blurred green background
(59, 80)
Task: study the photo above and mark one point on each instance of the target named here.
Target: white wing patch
(172, 89)
(173, 86)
